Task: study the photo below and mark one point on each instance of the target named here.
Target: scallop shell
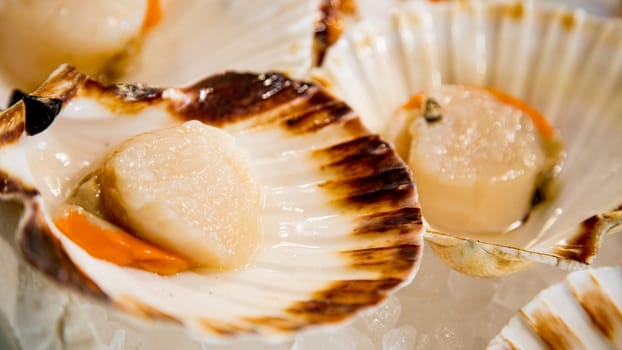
(197, 38)
(566, 64)
(341, 223)
(582, 312)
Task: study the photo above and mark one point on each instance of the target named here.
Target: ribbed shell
(342, 226)
(566, 64)
(582, 312)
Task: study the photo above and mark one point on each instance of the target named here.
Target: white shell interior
(566, 64)
(198, 38)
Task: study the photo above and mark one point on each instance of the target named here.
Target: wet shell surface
(341, 224)
(567, 64)
(582, 312)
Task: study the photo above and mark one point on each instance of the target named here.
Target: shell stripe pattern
(582, 312)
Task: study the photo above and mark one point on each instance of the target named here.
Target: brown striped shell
(582, 312)
(341, 223)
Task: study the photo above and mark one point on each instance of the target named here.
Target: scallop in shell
(566, 64)
(341, 224)
(582, 312)
(187, 39)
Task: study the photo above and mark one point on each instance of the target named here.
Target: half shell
(566, 64)
(341, 224)
(582, 312)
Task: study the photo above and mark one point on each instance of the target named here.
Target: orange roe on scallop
(117, 246)
(543, 125)
(153, 15)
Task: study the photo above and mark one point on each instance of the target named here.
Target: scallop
(187, 188)
(567, 65)
(341, 227)
(152, 41)
(106, 30)
(582, 312)
(480, 158)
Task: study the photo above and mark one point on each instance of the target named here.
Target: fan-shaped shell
(341, 224)
(566, 64)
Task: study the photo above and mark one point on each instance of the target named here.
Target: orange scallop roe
(153, 15)
(540, 122)
(117, 246)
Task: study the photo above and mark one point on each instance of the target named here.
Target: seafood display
(264, 174)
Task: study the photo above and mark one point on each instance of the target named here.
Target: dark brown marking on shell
(602, 311)
(370, 172)
(12, 125)
(127, 92)
(327, 29)
(357, 292)
(390, 261)
(397, 195)
(509, 345)
(317, 119)
(584, 245)
(552, 330)
(282, 324)
(569, 21)
(363, 156)
(122, 98)
(9, 185)
(44, 251)
(404, 221)
(226, 329)
(517, 11)
(230, 97)
(314, 100)
(63, 84)
(361, 187)
(341, 299)
(145, 310)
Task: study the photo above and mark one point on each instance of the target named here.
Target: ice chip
(401, 338)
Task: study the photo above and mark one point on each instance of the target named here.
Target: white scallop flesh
(189, 189)
(41, 34)
(476, 168)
